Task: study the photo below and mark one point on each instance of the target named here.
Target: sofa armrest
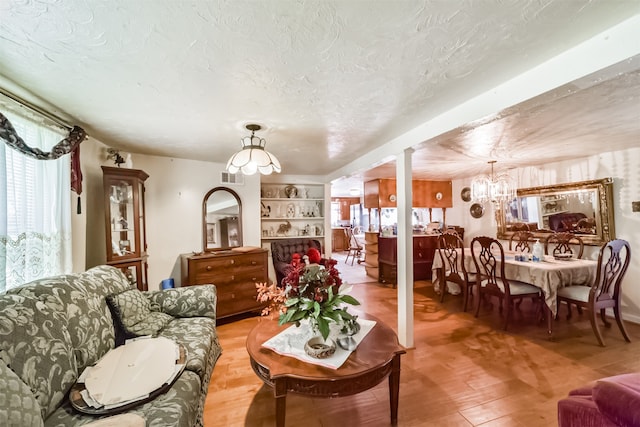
(20, 406)
(618, 399)
(581, 411)
(191, 301)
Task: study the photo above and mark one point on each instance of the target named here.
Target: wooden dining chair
(605, 291)
(561, 244)
(355, 248)
(451, 251)
(488, 257)
(521, 241)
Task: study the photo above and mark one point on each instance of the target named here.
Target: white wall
(174, 194)
(623, 166)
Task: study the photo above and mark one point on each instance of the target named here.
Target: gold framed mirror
(221, 220)
(584, 208)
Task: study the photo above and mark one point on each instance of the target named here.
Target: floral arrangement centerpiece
(311, 290)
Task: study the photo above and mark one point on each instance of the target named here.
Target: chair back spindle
(562, 244)
(451, 250)
(521, 241)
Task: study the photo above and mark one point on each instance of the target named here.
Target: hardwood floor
(463, 371)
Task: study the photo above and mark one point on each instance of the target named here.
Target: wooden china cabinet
(126, 237)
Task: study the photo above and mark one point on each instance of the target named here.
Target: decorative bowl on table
(563, 257)
(320, 348)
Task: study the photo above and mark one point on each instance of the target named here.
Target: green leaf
(323, 326)
(316, 309)
(350, 300)
(306, 304)
(334, 315)
(298, 316)
(286, 318)
(291, 301)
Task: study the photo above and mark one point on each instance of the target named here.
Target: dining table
(549, 275)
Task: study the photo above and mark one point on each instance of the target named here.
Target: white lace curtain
(35, 207)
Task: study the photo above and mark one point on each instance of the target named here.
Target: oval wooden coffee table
(377, 357)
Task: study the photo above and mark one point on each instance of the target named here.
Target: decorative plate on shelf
(291, 191)
(465, 194)
(477, 210)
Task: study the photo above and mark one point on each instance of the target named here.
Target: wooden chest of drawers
(235, 275)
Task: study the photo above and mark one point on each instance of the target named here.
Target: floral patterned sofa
(53, 328)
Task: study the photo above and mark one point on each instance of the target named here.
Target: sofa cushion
(133, 316)
(81, 298)
(191, 301)
(18, 403)
(617, 398)
(198, 336)
(178, 407)
(35, 344)
(120, 420)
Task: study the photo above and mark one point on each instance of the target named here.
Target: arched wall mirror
(584, 208)
(221, 220)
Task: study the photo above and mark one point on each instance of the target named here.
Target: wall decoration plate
(477, 210)
(465, 194)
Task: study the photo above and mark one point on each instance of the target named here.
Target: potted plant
(312, 291)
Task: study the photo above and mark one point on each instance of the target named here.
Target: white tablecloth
(548, 275)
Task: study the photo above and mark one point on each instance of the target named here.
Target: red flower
(314, 256)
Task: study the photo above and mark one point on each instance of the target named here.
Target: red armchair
(607, 402)
(282, 251)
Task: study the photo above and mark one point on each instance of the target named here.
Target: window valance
(66, 146)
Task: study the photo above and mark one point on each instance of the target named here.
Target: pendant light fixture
(493, 188)
(253, 157)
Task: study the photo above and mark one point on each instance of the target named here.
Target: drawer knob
(253, 263)
(233, 261)
(233, 277)
(233, 296)
(209, 268)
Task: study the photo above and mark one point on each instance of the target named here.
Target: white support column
(327, 221)
(405, 248)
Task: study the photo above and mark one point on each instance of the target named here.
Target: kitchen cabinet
(345, 206)
(338, 240)
(381, 193)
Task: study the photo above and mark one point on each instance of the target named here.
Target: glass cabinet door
(125, 222)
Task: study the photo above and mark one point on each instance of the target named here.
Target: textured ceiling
(329, 80)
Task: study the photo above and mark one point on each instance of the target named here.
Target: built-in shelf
(292, 211)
